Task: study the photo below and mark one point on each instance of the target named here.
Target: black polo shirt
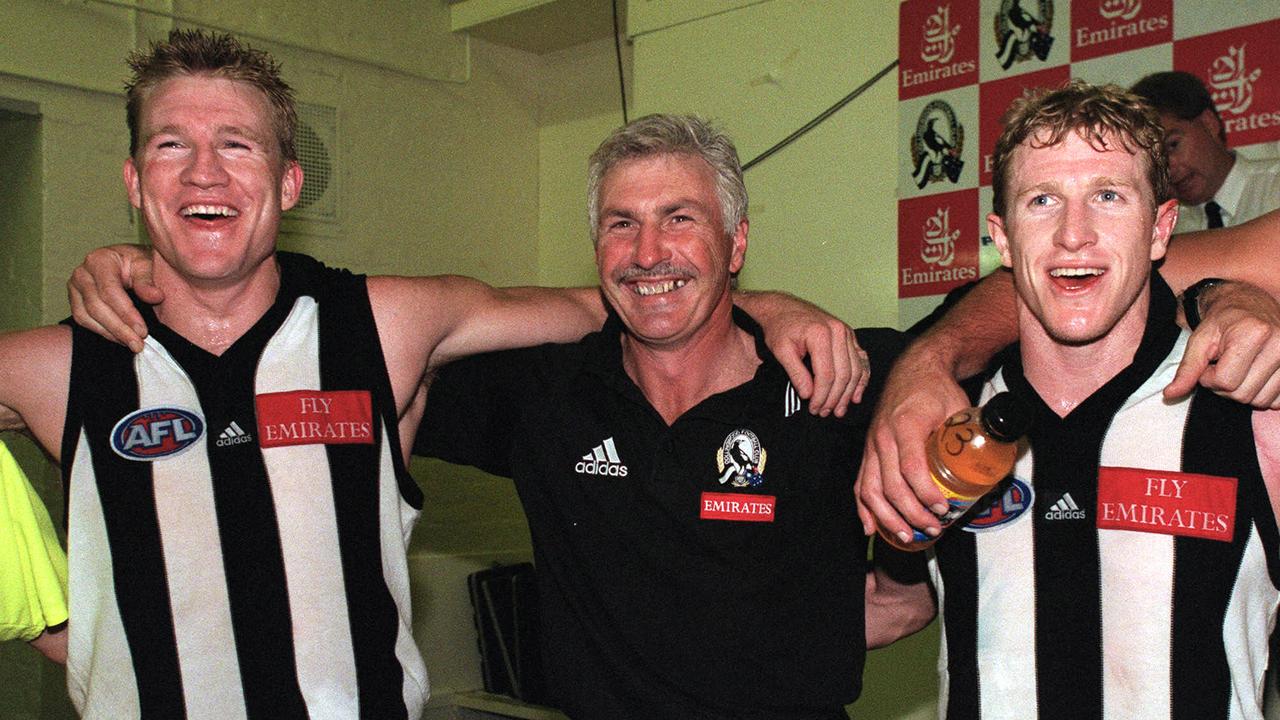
(713, 568)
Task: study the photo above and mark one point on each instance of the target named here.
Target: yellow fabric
(33, 566)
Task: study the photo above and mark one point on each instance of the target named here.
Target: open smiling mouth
(1076, 278)
(659, 287)
(208, 212)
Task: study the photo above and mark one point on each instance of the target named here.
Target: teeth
(1075, 272)
(659, 288)
(222, 210)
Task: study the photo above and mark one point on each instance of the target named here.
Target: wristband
(1191, 300)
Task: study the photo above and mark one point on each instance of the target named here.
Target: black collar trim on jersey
(248, 346)
(603, 358)
(1157, 341)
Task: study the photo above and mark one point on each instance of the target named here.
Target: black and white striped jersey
(1130, 569)
(238, 523)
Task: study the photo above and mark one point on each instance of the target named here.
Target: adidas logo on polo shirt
(233, 435)
(1065, 509)
(602, 460)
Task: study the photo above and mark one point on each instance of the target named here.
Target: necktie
(1213, 211)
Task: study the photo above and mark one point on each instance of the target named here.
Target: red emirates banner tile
(1106, 27)
(1241, 69)
(937, 46)
(994, 99)
(937, 242)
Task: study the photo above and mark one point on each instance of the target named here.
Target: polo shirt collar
(603, 358)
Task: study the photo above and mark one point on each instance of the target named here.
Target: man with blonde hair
(1126, 568)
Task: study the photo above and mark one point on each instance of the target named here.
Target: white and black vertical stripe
(1054, 618)
(232, 581)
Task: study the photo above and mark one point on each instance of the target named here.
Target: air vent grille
(317, 143)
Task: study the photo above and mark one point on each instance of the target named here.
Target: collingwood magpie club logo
(154, 433)
(1022, 30)
(740, 460)
(936, 145)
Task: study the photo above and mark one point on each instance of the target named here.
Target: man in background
(1215, 185)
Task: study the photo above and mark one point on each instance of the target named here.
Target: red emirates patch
(1172, 503)
(315, 417)
(737, 506)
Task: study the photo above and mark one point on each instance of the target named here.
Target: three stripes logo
(1065, 509)
(602, 460)
(233, 435)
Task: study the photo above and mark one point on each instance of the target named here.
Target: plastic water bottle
(968, 455)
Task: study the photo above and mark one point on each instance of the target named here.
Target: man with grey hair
(695, 536)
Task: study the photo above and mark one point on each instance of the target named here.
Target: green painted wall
(823, 211)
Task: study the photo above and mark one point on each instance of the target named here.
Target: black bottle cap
(1005, 417)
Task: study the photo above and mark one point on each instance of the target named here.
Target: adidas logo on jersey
(602, 460)
(1065, 509)
(233, 435)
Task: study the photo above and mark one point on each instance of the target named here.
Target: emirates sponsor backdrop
(961, 62)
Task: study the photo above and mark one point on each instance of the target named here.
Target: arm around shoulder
(426, 322)
(896, 608)
(1244, 252)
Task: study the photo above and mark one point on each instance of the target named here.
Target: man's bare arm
(1243, 252)
(1266, 435)
(920, 393)
(52, 643)
(793, 328)
(426, 322)
(35, 370)
(895, 609)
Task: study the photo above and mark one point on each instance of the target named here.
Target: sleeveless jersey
(238, 523)
(1047, 615)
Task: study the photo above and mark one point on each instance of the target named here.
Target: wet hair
(1179, 94)
(1106, 116)
(654, 135)
(215, 55)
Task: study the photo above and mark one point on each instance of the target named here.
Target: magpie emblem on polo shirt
(740, 460)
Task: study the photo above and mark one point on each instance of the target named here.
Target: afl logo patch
(1012, 504)
(155, 433)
